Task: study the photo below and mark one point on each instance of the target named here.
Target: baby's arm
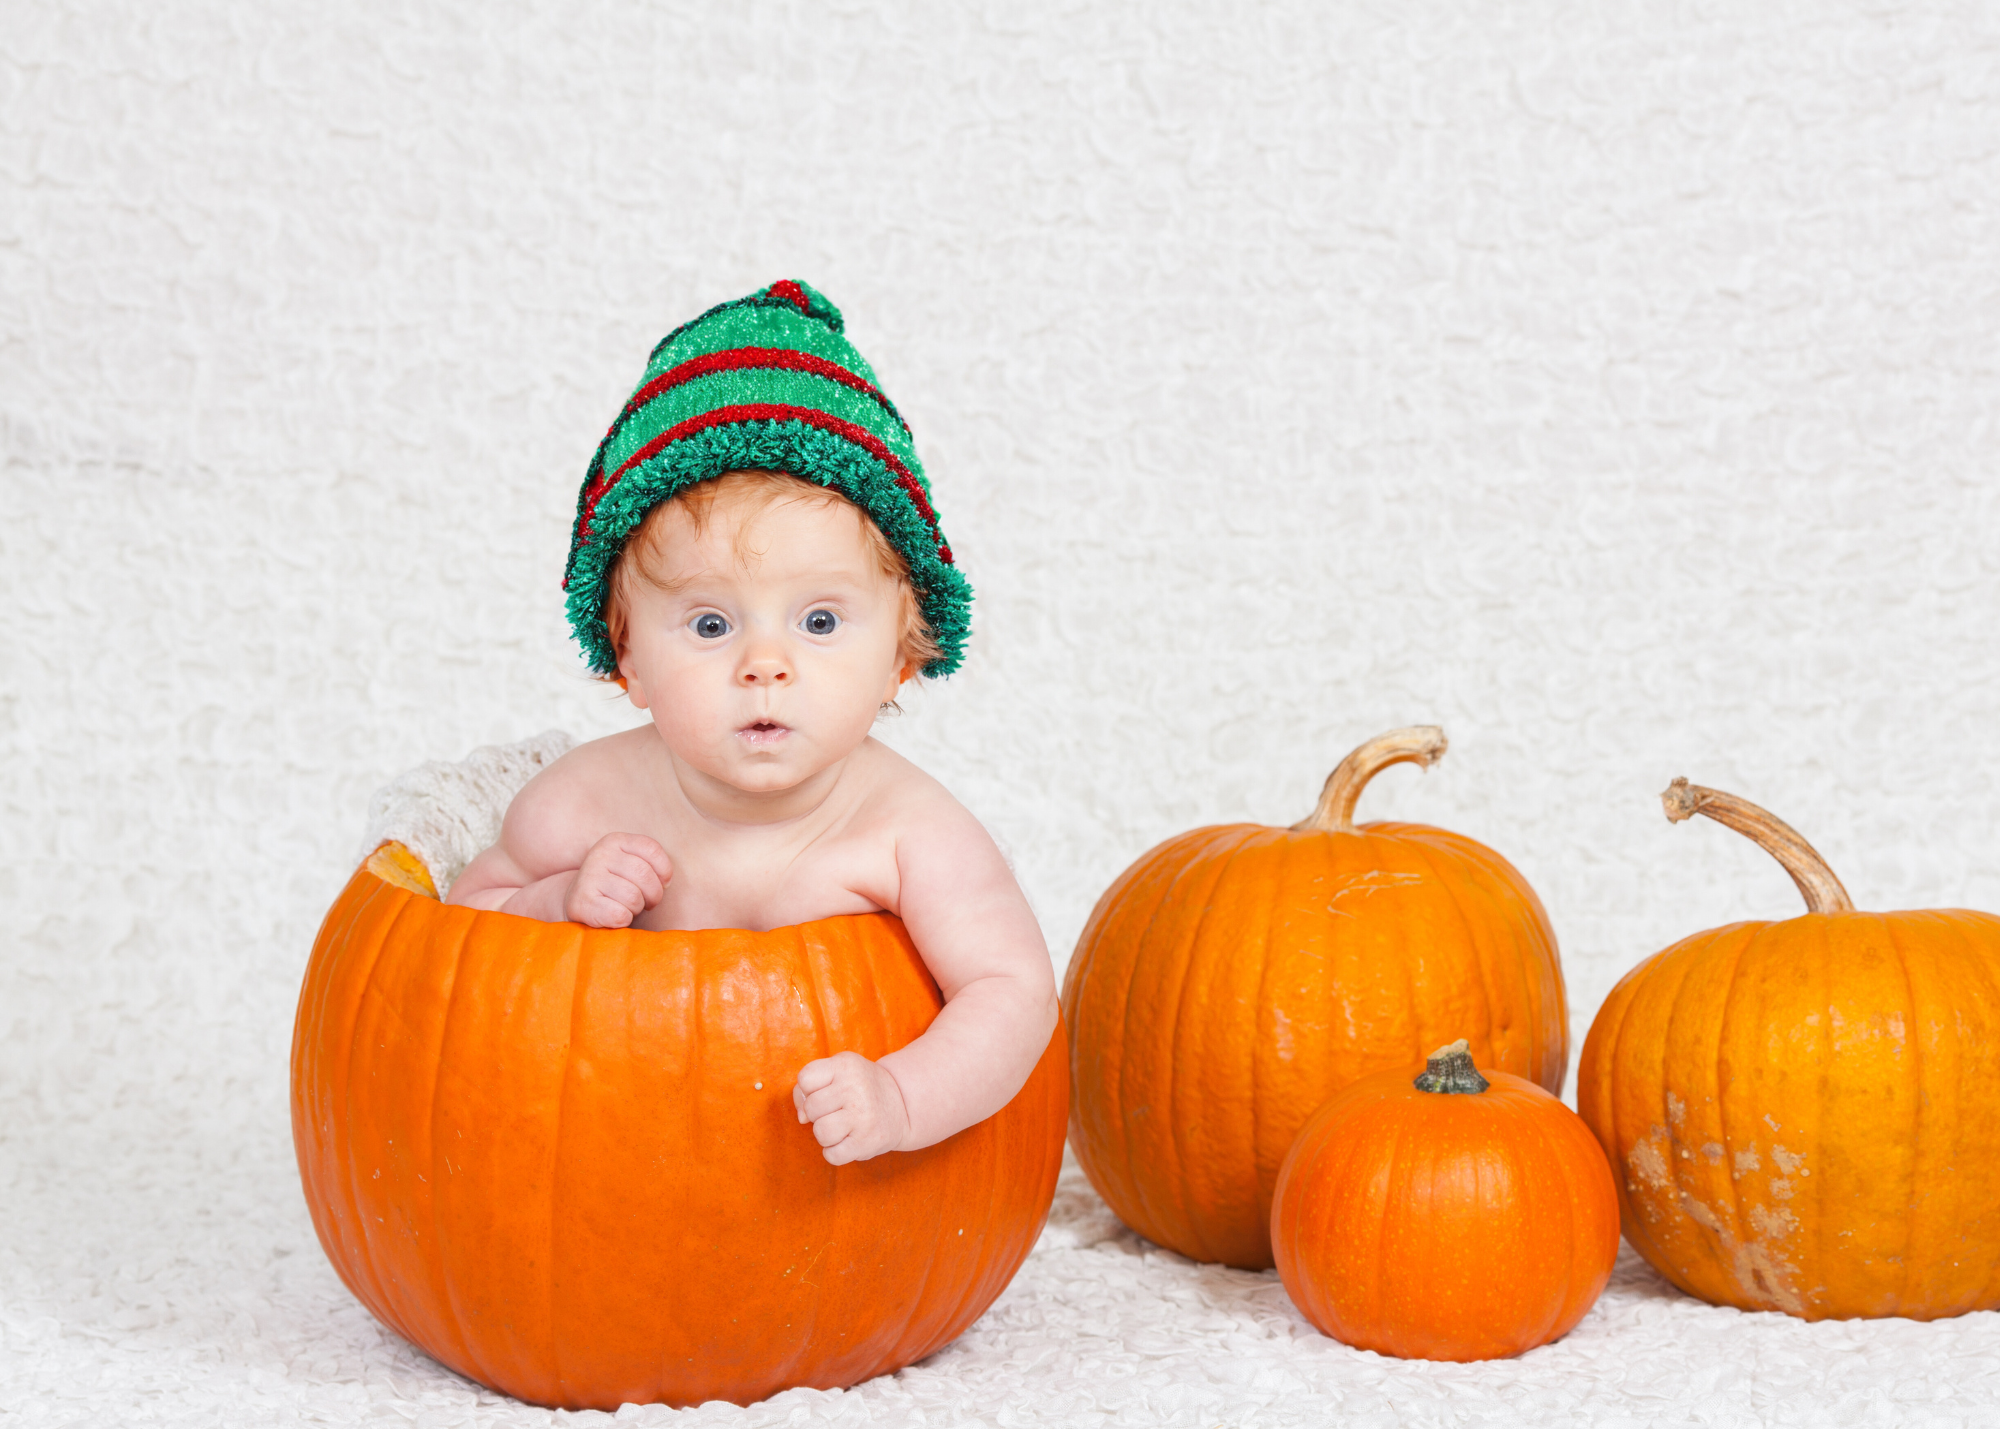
(547, 866)
(972, 924)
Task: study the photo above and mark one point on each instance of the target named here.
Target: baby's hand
(622, 876)
(855, 1107)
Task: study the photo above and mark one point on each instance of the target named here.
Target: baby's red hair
(645, 551)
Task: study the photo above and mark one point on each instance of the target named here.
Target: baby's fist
(855, 1107)
(622, 876)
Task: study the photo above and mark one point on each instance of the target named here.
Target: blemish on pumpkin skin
(1367, 884)
(1746, 1160)
(1676, 1111)
(1759, 1268)
(1712, 1150)
(1649, 1162)
(1699, 1213)
(1765, 1279)
(1781, 1189)
(1281, 1030)
(1773, 1223)
(1788, 1162)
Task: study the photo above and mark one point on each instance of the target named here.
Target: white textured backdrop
(1612, 385)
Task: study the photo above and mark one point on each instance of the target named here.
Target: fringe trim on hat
(943, 593)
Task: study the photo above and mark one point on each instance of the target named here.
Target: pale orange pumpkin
(565, 1162)
(1445, 1216)
(1801, 1114)
(1236, 977)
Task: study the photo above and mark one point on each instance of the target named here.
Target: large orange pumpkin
(1236, 977)
(565, 1162)
(1801, 1115)
(1449, 1216)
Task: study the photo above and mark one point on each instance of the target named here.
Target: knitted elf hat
(764, 383)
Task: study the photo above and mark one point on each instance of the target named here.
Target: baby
(757, 562)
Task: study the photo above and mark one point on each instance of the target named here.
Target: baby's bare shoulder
(916, 821)
(896, 793)
(567, 807)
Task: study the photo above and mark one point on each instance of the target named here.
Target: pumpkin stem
(1823, 893)
(1422, 744)
(1450, 1069)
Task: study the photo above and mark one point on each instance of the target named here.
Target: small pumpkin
(1453, 1216)
(564, 1160)
(1801, 1114)
(1235, 977)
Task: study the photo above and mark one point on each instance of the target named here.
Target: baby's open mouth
(764, 731)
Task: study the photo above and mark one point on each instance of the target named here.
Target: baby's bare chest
(762, 883)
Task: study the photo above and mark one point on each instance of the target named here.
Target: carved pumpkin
(1452, 1216)
(1800, 1114)
(565, 1162)
(1236, 977)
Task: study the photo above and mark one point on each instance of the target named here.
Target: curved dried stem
(1823, 893)
(1422, 744)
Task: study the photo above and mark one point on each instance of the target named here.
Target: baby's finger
(655, 856)
(639, 875)
(649, 879)
(814, 1075)
(641, 848)
(598, 911)
(825, 1102)
(833, 1128)
(621, 891)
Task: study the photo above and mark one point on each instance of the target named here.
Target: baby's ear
(638, 700)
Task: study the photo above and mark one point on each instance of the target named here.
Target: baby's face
(768, 661)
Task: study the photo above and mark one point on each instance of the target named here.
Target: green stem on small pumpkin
(1823, 892)
(1422, 744)
(1450, 1069)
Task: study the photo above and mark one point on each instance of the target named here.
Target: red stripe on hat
(772, 412)
(739, 359)
(792, 293)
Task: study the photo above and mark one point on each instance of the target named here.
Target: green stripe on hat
(766, 382)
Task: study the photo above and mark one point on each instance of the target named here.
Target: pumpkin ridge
(1265, 964)
(1545, 1000)
(1554, 1155)
(1530, 1200)
(447, 1297)
(308, 1089)
(1291, 847)
(1910, 1146)
(1182, 1021)
(376, 1300)
(1984, 969)
(1132, 967)
(1821, 966)
(1395, 1192)
(1472, 935)
(899, 1339)
(1656, 1035)
(1725, 1027)
(315, 999)
(972, 1284)
(1751, 955)
(558, 1121)
(1134, 1180)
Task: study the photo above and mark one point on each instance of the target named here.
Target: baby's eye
(820, 622)
(710, 626)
